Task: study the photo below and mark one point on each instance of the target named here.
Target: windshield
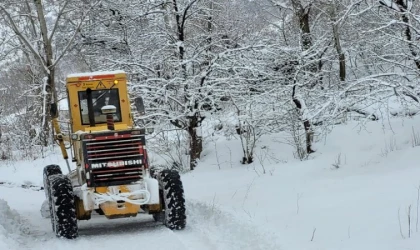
(100, 98)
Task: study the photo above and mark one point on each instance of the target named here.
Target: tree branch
(24, 40)
(74, 35)
(60, 13)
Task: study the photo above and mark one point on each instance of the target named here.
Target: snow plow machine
(112, 176)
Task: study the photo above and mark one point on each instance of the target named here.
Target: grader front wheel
(48, 171)
(63, 211)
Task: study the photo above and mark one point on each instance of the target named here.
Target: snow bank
(29, 173)
(347, 195)
(223, 230)
(11, 227)
(393, 106)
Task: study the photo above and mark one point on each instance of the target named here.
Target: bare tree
(404, 8)
(30, 23)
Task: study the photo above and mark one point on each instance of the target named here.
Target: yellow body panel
(81, 213)
(117, 210)
(98, 82)
(154, 208)
(59, 137)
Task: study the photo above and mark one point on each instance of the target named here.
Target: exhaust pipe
(110, 121)
(109, 111)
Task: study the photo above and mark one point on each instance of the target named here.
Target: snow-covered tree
(43, 33)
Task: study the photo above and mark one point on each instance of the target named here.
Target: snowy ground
(276, 203)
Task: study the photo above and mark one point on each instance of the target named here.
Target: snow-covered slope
(347, 196)
(355, 192)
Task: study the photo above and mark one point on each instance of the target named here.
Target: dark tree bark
(0, 127)
(306, 124)
(403, 8)
(196, 140)
(337, 43)
(193, 123)
(303, 14)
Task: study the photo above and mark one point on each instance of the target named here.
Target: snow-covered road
(208, 228)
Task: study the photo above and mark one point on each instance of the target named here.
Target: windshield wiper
(100, 97)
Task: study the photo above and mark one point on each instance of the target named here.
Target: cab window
(100, 98)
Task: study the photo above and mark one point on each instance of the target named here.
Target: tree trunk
(50, 93)
(306, 124)
(305, 28)
(403, 8)
(407, 33)
(337, 42)
(303, 14)
(196, 140)
(209, 28)
(180, 22)
(194, 122)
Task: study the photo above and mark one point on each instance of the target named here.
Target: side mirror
(53, 110)
(138, 102)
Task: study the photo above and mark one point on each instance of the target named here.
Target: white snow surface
(277, 202)
(9, 226)
(63, 105)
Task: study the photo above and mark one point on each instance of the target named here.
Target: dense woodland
(237, 68)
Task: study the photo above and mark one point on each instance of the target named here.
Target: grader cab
(111, 175)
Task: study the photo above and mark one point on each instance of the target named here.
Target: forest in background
(231, 67)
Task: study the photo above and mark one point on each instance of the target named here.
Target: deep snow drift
(356, 192)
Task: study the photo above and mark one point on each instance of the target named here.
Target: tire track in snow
(208, 228)
(100, 233)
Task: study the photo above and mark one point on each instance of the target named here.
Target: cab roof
(97, 75)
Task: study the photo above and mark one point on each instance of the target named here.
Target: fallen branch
(362, 112)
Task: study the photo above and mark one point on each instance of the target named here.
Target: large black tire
(48, 171)
(62, 209)
(172, 196)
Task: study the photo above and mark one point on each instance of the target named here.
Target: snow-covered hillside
(355, 192)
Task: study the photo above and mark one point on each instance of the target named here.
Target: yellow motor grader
(112, 176)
